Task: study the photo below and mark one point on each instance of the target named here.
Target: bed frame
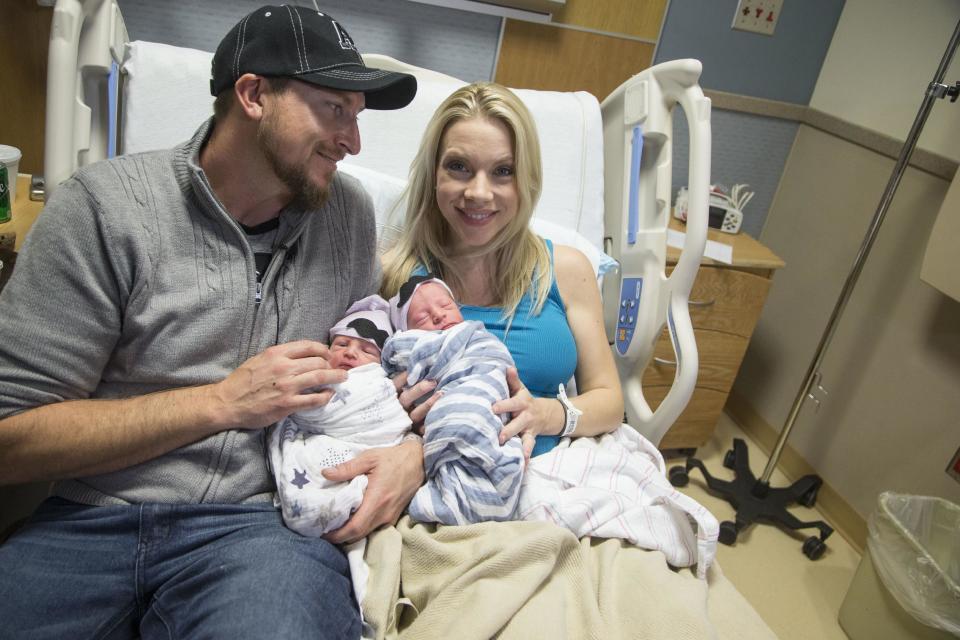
(85, 108)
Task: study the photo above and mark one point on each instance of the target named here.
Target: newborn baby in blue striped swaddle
(470, 476)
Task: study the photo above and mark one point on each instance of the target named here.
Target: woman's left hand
(531, 416)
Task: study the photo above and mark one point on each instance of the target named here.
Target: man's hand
(409, 396)
(270, 385)
(394, 474)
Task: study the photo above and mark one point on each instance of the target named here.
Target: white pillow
(569, 126)
(571, 144)
(387, 194)
(166, 95)
(385, 190)
(388, 204)
(601, 262)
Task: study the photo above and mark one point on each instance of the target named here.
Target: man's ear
(249, 90)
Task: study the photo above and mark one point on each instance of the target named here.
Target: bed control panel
(630, 289)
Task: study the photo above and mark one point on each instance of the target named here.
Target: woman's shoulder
(575, 278)
(563, 256)
(570, 264)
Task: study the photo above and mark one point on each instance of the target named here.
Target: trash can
(908, 582)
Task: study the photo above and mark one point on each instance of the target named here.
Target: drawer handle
(664, 361)
(697, 303)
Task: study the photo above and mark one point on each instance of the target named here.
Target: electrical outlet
(8, 240)
(953, 469)
(758, 16)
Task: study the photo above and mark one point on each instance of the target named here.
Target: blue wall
(782, 67)
(748, 149)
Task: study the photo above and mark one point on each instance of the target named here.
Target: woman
(473, 187)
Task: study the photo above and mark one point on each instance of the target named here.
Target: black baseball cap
(308, 45)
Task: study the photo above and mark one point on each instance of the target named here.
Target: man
(166, 308)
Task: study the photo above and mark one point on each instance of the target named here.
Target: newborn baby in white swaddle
(363, 413)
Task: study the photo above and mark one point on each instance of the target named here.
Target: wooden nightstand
(725, 304)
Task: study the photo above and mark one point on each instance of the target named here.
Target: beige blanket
(535, 580)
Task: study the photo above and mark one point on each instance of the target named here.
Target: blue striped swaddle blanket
(470, 476)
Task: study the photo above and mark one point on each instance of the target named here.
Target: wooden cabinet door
(727, 300)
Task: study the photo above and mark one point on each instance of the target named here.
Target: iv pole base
(756, 501)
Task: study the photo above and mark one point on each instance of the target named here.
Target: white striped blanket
(614, 486)
(363, 413)
(470, 477)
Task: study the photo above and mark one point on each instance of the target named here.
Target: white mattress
(166, 96)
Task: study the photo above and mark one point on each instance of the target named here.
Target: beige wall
(882, 57)
(892, 416)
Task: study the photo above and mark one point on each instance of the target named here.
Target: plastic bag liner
(915, 545)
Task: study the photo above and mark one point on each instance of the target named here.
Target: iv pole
(754, 499)
(936, 89)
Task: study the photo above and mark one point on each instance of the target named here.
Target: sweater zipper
(269, 279)
(270, 276)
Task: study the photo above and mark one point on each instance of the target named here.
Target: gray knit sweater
(134, 279)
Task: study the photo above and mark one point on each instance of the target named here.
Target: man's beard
(306, 194)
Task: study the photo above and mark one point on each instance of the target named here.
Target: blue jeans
(171, 571)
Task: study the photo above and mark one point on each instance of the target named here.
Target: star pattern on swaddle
(296, 509)
(299, 478)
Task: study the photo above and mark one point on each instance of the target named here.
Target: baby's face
(432, 308)
(347, 352)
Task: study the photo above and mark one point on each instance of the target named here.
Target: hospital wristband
(572, 414)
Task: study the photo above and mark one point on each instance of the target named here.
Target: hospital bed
(607, 185)
(607, 168)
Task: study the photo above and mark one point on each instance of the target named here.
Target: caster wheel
(809, 497)
(813, 547)
(678, 476)
(728, 532)
(729, 459)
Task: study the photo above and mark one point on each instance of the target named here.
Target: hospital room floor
(797, 598)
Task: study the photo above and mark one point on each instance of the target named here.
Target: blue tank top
(542, 346)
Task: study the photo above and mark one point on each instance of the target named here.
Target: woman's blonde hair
(519, 255)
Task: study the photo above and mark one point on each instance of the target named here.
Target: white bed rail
(86, 39)
(638, 131)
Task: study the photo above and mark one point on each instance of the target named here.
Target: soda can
(5, 203)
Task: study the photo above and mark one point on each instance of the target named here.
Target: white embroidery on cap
(296, 40)
(267, 14)
(346, 42)
(303, 38)
(334, 72)
(241, 40)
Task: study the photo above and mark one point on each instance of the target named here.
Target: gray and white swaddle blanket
(363, 413)
(470, 476)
